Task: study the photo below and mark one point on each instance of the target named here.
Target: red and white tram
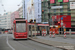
(20, 29)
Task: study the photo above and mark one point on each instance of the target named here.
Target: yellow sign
(64, 29)
(34, 21)
(61, 20)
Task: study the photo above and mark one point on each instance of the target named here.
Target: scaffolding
(48, 12)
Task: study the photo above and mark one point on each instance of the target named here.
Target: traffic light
(34, 20)
(31, 21)
(42, 11)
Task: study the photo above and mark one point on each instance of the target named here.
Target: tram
(20, 28)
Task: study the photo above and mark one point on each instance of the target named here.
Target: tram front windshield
(20, 26)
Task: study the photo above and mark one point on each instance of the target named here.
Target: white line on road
(9, 44)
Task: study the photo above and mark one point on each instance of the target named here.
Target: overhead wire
(2, 5)
(19, 3)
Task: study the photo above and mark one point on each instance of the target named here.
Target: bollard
(64, 33)
(53, 34)
(50, 33)
(44, 33)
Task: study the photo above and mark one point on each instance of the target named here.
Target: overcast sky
(9, 5)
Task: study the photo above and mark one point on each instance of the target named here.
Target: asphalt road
(7, 43)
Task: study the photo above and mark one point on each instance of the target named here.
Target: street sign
(61, 18)
(61, 23)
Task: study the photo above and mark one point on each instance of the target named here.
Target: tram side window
(14, 27)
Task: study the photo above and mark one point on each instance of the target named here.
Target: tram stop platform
(59, 42)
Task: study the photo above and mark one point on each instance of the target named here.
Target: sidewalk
(68, 36)
(56, 42)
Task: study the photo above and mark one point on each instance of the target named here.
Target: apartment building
(58, 7)
(5, 21)
(20, 10)
(13, 16)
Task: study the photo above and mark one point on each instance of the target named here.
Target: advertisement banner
(65, 0)
(34, 12)
(60, 0)
(72, 5)
(52, 1)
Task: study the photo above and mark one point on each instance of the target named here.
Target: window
(54, 10)
(61, 10)
(54, 14)
(69, 13)
(61, 13)
(21, 27)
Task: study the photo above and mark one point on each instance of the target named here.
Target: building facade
(32, 10)
(5, 21)
(13, 16)
(57, 7)
(20, 10)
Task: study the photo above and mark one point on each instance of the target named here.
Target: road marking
(9, 44)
